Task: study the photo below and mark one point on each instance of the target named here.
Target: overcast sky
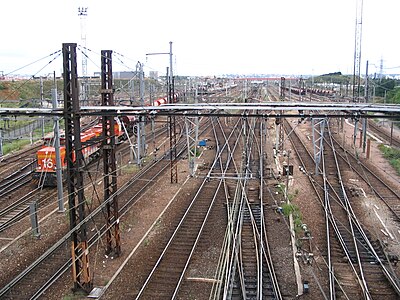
(210, 37)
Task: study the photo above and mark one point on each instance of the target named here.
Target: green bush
(14, 146)
(288, 209)
(392, 155)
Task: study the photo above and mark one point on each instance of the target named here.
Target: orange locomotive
(45, 172)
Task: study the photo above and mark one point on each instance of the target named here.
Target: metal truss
(278, 109)
(282, 90)
(318, 129)
(192, 136)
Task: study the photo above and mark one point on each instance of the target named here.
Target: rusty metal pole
(76, 200)
(113, 240)
(391, 133)
(368, 148)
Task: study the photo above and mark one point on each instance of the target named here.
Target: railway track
(167, 274)
(245, 269)
(11, 162)
(16, 179)
(365, 262)
(32, 282)
(19, 208)
(384, 134)
(56, 260)
(389, 194)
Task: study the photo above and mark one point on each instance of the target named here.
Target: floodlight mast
(357, 52)
(82, 13)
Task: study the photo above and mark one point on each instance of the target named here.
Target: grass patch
(14, 146)
(18, 144)
(75, 296)
(288, 209)
(392, 155)
(131, 168)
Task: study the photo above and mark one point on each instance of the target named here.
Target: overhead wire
(56, 54)
(36, 61)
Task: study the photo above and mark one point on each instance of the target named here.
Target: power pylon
(357, 51)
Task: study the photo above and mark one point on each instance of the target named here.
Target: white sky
(210, 37)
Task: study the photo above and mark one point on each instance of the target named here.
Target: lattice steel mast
(113, 240)
(76, 199)
(357, 52)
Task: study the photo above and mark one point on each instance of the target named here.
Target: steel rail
(123, 210)
(178, 228)
(346, 206)
(362, 173)
(222, 267)
(65, 238)
(354, 220)
(328, 215)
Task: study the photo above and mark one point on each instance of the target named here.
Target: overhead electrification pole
(141, 133)
(57, 149)
(76, 198)
(171, 118)
(113, 240)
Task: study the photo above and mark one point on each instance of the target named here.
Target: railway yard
(269, 211)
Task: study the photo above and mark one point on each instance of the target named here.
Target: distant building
(119, 74)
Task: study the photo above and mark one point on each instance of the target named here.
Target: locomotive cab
(45, 172)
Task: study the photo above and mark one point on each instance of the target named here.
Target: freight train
(296, 90)
(304, 91)
(45, 172)
(321, 92)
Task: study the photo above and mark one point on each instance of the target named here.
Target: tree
(394, 96)
(384, 85)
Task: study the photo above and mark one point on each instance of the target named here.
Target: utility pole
(171, 118)
(142, 135)
(364, 120)
(279, 121)
(172, 123)
(57, 149)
